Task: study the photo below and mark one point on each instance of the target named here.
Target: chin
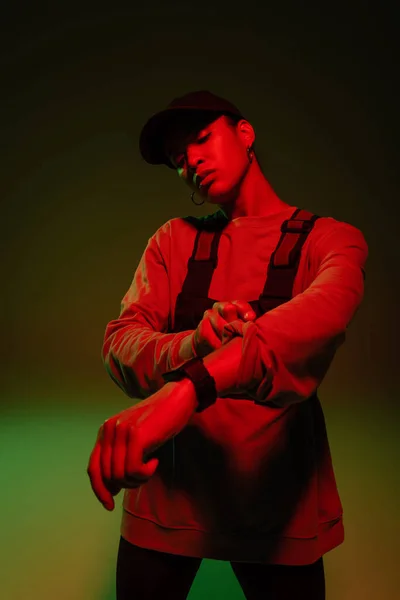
(218, 194)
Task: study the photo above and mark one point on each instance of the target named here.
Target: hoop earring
(196, 203)
(249, 155)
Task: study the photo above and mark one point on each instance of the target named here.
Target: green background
(78, 205)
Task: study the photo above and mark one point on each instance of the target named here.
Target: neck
(253, 197)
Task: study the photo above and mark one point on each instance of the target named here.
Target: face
(217, 147)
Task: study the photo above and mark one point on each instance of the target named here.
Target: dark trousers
(150, 575)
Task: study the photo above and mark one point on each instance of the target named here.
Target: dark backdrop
(78, 203)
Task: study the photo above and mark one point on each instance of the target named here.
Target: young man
(226, 332)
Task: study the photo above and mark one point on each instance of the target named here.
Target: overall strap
(285, 259)
(204, 258)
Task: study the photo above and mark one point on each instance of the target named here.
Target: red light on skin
(207, 179)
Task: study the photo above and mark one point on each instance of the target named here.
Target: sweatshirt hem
(261, 548)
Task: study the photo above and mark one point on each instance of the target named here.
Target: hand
(120, 457)
(209, 333)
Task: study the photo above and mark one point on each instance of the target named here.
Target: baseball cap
(151, 137)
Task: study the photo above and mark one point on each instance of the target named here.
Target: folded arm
(282, 357)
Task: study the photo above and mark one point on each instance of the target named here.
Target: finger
(217, 323)
(238, 309)
(213, 327)
(228, 311)
(137, 481)
(119, 451)
(106, 439)
(113, 487)
(134, 466)
(132, 483)
(96, 480)
(245, 310)
(206, 339)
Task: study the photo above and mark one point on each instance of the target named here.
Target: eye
(179, 159)
(204, 138)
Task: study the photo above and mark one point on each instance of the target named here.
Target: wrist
(223, 365)
(185, 387)
(203, 383)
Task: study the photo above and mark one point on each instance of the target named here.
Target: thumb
(231, 330)
(149, 467)
(112, 487)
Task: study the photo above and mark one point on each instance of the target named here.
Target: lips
(201, 178)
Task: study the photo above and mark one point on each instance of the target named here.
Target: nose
(193, 156)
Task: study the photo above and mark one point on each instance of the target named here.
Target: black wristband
(204, 384)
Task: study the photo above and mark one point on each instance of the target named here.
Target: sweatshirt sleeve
(136, 350)
(288, 350)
